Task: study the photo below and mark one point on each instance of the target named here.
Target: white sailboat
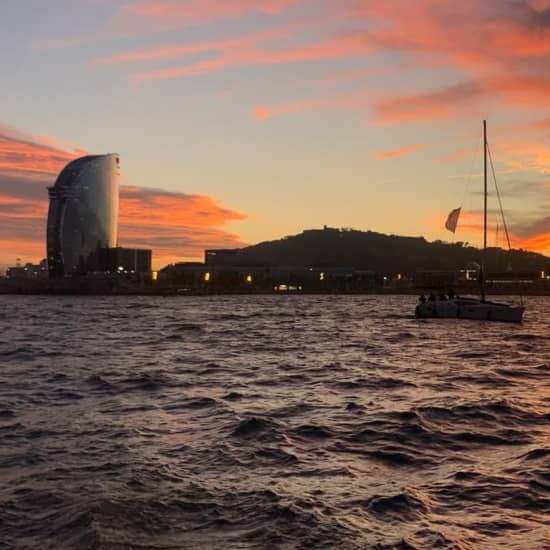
(472, 308)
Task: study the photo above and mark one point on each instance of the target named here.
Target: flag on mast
(452, 220)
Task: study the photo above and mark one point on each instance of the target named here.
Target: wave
(267, 422)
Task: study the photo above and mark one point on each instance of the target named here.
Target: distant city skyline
(239, 121)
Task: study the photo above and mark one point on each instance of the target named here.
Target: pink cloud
(501, 49)
(31, 155)
(468, 33)
(171, 51)
(443, 103)
(459, 154)
(262, 113)
(246, 52)
(395, 153)
(524, 156)
(458, 99)
(350, 103)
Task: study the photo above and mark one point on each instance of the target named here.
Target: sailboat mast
(484, 255)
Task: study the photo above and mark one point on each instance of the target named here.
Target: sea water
(270, 422)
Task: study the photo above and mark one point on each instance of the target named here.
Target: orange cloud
(543, 124)
(454, 100)
(533, 234)
(506, 34)
(459, 154)
(31, 155)
(501, 50)
(29, 250)
(413, 108)
(261, 113)
(175, 225)
(352, 102)
(536, 243)
(470, 224)
(530, 234)
(395, 153)
(468, 33)
(171, 51)
(244, 52)
(524, 157)
(508, 40)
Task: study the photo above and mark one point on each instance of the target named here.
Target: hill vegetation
(384, 254)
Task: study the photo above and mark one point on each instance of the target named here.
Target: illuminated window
(207, 277)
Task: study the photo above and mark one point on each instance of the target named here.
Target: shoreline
(174, 292)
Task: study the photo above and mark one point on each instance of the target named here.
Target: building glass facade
(83, 213)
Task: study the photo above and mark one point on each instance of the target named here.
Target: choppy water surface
(270, 422)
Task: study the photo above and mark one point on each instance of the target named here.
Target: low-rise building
(28, 271)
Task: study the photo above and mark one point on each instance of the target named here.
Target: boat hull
(476, 310)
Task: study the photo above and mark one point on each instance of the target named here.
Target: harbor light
(249, 278)
(207, 276)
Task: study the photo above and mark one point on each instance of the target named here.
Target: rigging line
(470, 177)
(469, 180)
(499, 200)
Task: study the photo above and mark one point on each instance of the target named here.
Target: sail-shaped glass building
(83, 213)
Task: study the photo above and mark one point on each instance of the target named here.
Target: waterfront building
(224, 257)
(134, 261)
(83, 213)
(28, 271)
(219, 277)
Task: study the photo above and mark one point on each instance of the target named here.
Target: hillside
(384, 254)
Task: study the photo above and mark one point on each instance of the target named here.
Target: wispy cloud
(175, 51)
(152, 17)
(246, 53)
(524, 156)
(499, 51)
(396, 153)
(350, 102)
(30, 155)
(191, 11)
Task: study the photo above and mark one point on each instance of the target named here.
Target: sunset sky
(239, 121)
